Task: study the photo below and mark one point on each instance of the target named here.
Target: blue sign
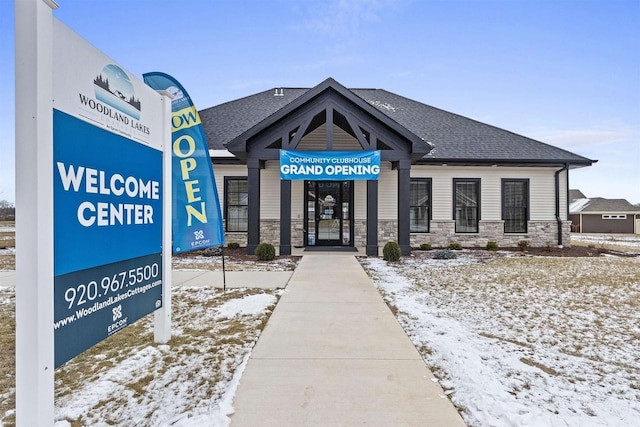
(107, 197)
(93, 304)
(329, 165)
(197, 221)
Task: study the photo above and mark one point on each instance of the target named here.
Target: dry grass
(234, 261)
(7, 356)
(7, 240)
(552, 293)
(608, 246)
(612, 242)
(7, 262)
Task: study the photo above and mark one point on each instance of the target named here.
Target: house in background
(599, 215)
(444, 177)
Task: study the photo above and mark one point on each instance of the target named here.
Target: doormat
(330, 249)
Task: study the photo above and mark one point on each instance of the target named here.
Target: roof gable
(330, 94)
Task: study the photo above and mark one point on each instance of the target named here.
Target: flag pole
(224, 277)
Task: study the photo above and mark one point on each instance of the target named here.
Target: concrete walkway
(333, 354)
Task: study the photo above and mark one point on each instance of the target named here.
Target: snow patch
(249, 305)
(383, 106)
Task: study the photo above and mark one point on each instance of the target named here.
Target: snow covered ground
(612, 241)
(524, 341)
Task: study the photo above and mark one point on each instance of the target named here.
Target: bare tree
(7, 211)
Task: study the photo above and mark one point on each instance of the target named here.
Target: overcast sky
(564, 72)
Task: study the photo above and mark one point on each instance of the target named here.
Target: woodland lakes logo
(114, 88)
(115, 102)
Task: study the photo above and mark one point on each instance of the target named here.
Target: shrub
(444, 254)
(391, 251)
(265, 252)
(523, 244)
(233, 245)
(492, 246)
(217, 251)
(425, 247)
(455, 246)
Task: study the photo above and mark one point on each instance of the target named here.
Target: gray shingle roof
(222, 123)
(598, 204)
(454, 137)
(575, 195)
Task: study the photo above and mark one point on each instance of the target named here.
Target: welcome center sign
(329, 165)
(108, 130)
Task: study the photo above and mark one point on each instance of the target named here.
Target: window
(420, 210)
(466, 208)
(515, 205)
(614, 216)
(236, 203)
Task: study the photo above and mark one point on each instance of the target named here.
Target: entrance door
(328, 216)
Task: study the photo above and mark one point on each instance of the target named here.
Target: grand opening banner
(197, 221)
(329, 165)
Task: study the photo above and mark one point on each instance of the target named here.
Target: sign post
(34, 213)
(162, 316)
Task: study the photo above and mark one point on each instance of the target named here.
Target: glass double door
(329, 213)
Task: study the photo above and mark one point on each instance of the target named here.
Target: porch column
(372, 218)
(285, 217)
(404, 206)
(253, 217)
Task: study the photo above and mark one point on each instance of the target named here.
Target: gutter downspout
(558, 219)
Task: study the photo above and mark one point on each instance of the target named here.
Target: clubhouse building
(441, 178)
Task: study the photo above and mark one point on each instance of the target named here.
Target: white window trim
(609, 216)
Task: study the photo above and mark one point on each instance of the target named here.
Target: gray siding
(595, 224)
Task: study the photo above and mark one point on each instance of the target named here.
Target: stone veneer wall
(360, 233)
(270, 231)
(240, 238)
(540, 234)
(387, 232)
(297, 232)
(234, 236)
